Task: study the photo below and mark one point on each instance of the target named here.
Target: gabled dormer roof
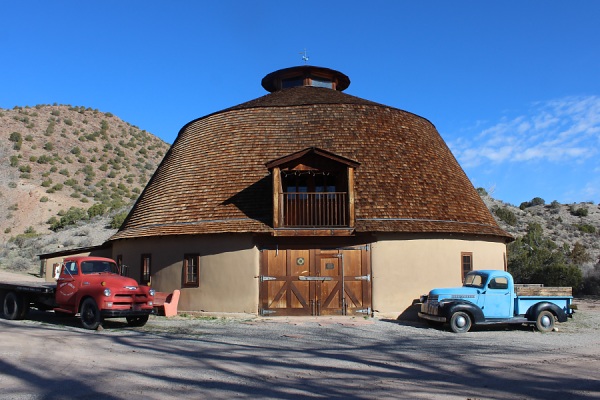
(310, 153)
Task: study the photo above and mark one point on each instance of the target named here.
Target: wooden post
(351, 216)
(277, 193)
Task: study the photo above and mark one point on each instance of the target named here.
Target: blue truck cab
(491, 297)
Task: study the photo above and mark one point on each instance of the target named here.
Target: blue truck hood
(463, 292)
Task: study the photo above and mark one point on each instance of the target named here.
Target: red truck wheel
(90, 314)
(15, 306)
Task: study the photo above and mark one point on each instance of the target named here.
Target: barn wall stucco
(229, 266)
(404, 269)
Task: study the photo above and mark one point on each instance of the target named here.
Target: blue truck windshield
(475, 280)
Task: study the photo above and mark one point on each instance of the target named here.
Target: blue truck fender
(452, 306)
(537, 308)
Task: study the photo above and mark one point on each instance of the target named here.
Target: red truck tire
(14, 306)
(90, 314)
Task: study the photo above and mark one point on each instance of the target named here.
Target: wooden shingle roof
(214, 178)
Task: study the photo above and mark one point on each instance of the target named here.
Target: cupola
(305, 75)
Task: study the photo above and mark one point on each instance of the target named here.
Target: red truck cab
(93, 287)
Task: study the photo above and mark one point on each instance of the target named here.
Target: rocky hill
(564, 224)
(59, 159)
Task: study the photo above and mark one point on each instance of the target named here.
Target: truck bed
(32, 287)
(539, 290)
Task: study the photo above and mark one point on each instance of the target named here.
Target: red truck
(90, 286)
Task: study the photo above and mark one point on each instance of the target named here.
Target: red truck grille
(130, 298)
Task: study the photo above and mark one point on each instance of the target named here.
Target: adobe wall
(405, 268)
(229, 266)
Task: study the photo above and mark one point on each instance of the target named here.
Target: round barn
(308, 201)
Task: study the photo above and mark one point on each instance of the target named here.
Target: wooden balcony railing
(315, 209)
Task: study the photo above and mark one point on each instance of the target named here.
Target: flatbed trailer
(23, 295)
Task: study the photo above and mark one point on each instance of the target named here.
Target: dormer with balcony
(313, 194)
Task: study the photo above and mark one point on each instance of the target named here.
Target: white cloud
(559, 131)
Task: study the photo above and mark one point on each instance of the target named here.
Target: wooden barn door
(315, 282)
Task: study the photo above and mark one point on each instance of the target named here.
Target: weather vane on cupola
(304, 56)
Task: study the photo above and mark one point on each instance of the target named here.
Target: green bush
(506, 215)
(71, 217)
(586, 228)
(579, 212)
(536, 201)
(117, 220)
(97, 209)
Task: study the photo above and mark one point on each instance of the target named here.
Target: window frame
(146, 269)
(186, 258)
(463, 270)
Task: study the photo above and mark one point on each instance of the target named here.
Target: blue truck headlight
(107, 292)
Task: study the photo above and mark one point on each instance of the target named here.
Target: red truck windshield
(90, 267)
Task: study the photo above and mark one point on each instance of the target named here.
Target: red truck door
(66, 286)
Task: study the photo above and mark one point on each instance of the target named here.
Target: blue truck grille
(432, 305)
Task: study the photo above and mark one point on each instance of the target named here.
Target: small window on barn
(191, 270)
(466, 264)
(145, 269)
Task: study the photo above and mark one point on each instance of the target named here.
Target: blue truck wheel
(545, 321)
(460, 322)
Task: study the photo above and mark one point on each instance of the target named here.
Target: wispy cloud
(559, 131)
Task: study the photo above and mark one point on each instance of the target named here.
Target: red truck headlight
(107, 292)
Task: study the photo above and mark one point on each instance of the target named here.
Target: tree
(536, 259)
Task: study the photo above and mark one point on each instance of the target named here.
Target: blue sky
(512, 86)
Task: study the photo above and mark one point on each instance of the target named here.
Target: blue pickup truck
(491, 297)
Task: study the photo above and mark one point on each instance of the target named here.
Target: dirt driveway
(351, 358)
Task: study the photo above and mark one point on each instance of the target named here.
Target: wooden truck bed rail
(540, 290)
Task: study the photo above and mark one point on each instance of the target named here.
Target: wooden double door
(315, 282)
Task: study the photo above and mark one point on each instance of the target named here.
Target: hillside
(564, 224)
(56, 158)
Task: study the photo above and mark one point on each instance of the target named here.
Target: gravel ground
(45, 357)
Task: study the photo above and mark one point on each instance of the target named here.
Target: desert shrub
(586, 228)
(579, 212)
(117, 220)
(96, 210)
(506, 215)
(536, 201)
(44, 159)
(44, 199)
(14, 161)
(71, 217)
(19, 264)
